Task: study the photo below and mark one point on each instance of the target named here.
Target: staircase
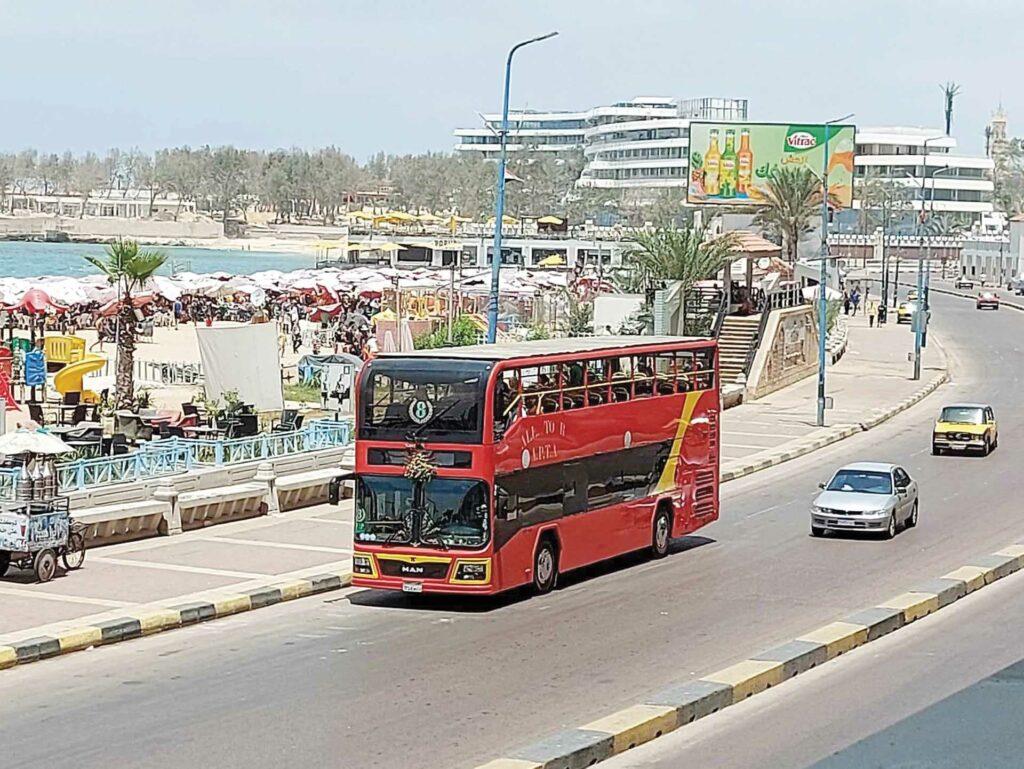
(736, 343)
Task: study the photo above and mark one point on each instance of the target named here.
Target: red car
(988, 299)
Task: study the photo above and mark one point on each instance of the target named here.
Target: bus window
(643, 376)
(621, 370)
(508, 404)
(530, 380)
(684, 371)
(597, 383)
(705, 368)
(573, 391)
(665, 373)
(548, 388)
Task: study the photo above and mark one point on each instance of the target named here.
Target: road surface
(366, 680)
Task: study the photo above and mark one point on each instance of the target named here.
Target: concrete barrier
(172, 511)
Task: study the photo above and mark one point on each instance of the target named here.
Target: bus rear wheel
(661, 533)
(545, 566)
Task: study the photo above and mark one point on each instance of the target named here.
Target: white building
(643, 144)
(120, 204)
(543, 131)
(956, 183)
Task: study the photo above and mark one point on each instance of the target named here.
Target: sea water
(28, 260)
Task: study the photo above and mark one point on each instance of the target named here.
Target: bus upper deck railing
(171, 456)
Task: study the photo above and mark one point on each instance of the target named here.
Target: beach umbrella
(37, 302)
(553, 220)
(32, 442)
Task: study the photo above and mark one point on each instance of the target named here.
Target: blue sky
(400, 75)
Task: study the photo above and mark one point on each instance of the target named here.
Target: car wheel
(987, 449)
(936, 451)
(817, 531)
(661, 533)
(912, 520)
(5, 561)
(890, 531)
(545, 567)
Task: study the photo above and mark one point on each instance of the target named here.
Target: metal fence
(170, 456)
(148, 372)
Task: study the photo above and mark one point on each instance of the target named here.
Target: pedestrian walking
(872, 313)
(854, 300)
(846, 302)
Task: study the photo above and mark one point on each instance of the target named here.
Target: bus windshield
(422, 398)
(452, 513)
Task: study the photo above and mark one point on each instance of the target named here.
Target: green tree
(464, 332)
(792, 198)
(686, 255)
(87, 176)
(127, 268)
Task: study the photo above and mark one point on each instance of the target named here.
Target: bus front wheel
(545, 566)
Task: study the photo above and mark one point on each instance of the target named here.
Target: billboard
(730, 162)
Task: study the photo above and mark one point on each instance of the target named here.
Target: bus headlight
(473, 571)
(362, 564)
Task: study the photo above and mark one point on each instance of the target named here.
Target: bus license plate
(412, 587)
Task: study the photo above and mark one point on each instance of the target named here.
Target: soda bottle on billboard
(727, 184)
(712, 166)
(744, 165)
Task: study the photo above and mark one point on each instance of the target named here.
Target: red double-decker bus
(488, 467)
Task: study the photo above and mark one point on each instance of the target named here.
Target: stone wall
(788, 351)
(109, 227)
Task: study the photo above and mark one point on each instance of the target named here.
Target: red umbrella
(112, 307)
(327, 310)
(37, 302)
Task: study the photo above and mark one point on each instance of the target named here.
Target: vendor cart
(33, 534)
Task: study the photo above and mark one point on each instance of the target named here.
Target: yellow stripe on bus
(668, 475)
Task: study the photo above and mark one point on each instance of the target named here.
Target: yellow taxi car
(965, 427)
(905, 312)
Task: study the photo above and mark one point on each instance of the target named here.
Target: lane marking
(282, 545)
(66, 598)
(181, 568)
(768, 509)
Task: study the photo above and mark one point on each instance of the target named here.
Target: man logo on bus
(420, 411)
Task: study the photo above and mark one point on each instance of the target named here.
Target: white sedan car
(866, 496)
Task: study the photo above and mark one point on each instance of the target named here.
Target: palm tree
(127, 268)
(792, 198)
(685, 255)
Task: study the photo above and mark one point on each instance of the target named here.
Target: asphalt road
(365, 680)
(944, 693)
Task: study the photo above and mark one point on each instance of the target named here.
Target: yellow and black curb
(834, 435)
(686, 702)
(155, 620)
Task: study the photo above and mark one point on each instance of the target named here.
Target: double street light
(499, 205)
(920, 313)
(823, 276)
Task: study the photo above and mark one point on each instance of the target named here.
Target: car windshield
(862, 482)
(452, 512)
(963, 415)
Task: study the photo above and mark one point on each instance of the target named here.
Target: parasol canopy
(37, 302)
(32, 442)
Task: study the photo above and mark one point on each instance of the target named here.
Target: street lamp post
(499, 205)
(823, 275)
(920, 314)
(928, 274)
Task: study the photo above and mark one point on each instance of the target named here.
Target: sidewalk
(871, 379)
(207, 573)
(200, 565)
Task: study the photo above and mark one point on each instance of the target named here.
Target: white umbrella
(32, 442)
